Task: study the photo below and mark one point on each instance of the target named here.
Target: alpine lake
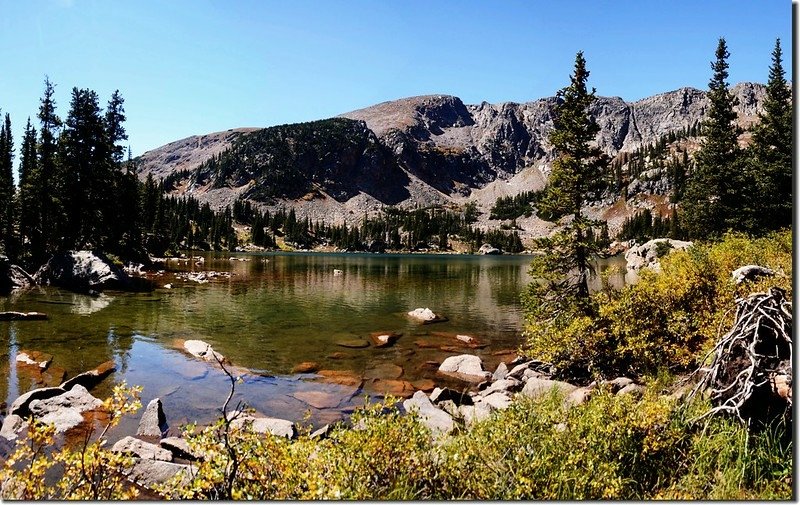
(267, 313)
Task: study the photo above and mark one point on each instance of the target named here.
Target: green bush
(665, 320)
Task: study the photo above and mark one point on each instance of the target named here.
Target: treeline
(512, 207)
(392, 229)
(76, 191)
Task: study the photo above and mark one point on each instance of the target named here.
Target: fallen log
(22, 316)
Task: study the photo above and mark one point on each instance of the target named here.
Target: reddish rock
(426, 385)
(384, 371)
(387, 387)
(341, 377)
(384, 339)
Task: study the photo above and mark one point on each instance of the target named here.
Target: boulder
(579, 396)
(636, 390)
(466, 367)
(619, 383)
(12, 425)
(384, 339)
(179, 448)
(64, 411)
(13, 277)
(648, 254)
(439, 395)
(202, 350)
(264, 425)
(475, 413)
(438, 421)
(20, 406)
(536, 387)
(489, 249)
(82, 271)
(423, 384)
(141, 449)
(149, 472)
(500, 372)
(153, 422)
(502, 385)
(426, 316)
(91, 378)
(321, 433)
(750, 273)
(497, 400)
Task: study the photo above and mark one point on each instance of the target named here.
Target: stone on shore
(263, 425)
(13, 277)
(647, 254)
(141, 449)
(149, 472)
(438, 421)
(489, 249)
(64, 411)
(750, 273)
(536, 387)
(179, 448)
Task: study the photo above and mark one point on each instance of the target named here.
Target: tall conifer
(714, 194)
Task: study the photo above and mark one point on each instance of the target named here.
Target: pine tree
(713, 200)
(575, 179)
(7, 195)
(771, 152)
(30, 203)
(51, 190)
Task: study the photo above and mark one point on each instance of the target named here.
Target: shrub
(665, 320)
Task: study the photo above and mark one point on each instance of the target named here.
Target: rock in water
(153, 422)
(466, 367)
(202, 350)
(22, 316)
(384, 339)
(82, 271)
(426, 316)
(92, 377)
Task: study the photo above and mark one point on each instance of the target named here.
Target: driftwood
(22, 316)
(750, 375)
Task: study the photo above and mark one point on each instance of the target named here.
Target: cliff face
(415, 151)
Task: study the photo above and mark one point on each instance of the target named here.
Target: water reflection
(275, 310)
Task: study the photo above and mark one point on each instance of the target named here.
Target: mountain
(425, 150)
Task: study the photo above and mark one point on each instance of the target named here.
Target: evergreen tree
(7, 188)
(771, 152)
(713, 200)
(51, 190)
(576, 178)
(30, 204)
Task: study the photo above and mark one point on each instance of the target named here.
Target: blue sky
(192, 67)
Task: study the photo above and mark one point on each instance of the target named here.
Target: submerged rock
(306, 367)
(36, 359)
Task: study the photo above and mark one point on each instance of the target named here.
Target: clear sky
(188, 67)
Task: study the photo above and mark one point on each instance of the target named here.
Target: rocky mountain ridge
(425, 150)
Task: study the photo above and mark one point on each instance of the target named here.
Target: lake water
(275, 311)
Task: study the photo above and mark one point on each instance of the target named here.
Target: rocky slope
(425, 150)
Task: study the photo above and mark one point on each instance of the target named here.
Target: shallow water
(275, 311)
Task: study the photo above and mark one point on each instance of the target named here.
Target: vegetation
(685, 306)
(611, 447)
(512, 207)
